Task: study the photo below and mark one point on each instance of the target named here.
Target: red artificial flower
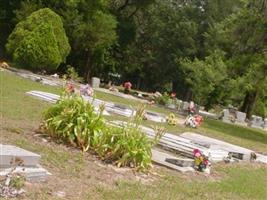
(173, 94)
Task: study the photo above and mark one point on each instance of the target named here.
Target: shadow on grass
(236, 131)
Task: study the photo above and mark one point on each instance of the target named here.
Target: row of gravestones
(180, 106)
(240, 118)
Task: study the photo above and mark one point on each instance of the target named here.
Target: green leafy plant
(72, 74)
(17, 181)
(128, 145)
(164, 99)
(74, 121)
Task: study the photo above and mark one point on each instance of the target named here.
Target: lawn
(252, 138)
(83, 176)
(129, 102)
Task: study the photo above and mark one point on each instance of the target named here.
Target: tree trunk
(188, 95)
(249, 102)
(124, 5)
(87, 69)
(138, 83)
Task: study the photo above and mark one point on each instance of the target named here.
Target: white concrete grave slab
(155, 117)
(162, 159)
(11, 156)
(181, 145)
(215, 144)
(32, 174)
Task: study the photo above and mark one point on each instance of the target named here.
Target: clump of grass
(73, 120)
(17, 182)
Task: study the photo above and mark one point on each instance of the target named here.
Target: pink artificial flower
(196, 153)
(127, 85)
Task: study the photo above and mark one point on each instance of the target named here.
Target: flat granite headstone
(182, 162)
(170, 161)
(155, 117)
(32, 174)
(120, 110)
(14, 156)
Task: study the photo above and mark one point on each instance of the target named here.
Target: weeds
(74, 121)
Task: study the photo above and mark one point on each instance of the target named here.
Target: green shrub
(72, 74)
(17, 182)
(128, 146)
(23, 36)
(73, 120)
(164, 99)
(38, 50)
(260, 108)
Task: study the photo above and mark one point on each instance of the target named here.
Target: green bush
(164, 99)
(128, 145)
(73, 120)
(72, 74)
(40, 33)
(38, 50)
(260, 108)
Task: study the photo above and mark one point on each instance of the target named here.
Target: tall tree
(89, 26)
(243, 36)
(7, 24)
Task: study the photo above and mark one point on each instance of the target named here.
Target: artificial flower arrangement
(201, 161)
(172, 120)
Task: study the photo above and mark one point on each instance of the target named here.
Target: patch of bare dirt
(75, 175)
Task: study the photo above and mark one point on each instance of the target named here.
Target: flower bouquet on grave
(86, 90)
(127, 87)
(172, 120)
(193, 121)
(201, 161)
(70, 88)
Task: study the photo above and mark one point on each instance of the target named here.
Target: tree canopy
(209, 51)
(39, 41)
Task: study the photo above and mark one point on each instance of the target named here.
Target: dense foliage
(38, 49)
(74, 121)
(208, 51)
(39, 41)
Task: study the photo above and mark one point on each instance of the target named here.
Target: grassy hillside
(83, 176)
